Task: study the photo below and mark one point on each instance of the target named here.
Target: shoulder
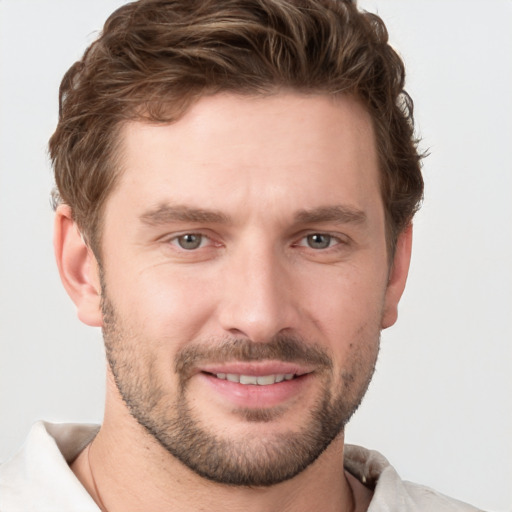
(426, 498)
(390, 492)
(38, 477)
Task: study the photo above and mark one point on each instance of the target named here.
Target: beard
(245, 459)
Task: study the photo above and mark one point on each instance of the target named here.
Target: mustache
(288, 348)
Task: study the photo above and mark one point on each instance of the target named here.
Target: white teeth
(263, 380)
(248, 379)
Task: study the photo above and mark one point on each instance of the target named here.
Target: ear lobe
(397, 277)
(78, 268)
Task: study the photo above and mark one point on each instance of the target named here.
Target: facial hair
(243, 460)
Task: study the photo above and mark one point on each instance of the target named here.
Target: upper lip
(257, 369)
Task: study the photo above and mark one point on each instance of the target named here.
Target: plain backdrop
(439, 406)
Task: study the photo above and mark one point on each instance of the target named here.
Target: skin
(277, 170)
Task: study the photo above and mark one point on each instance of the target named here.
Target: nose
(258, 299)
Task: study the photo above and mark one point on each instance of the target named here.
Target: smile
(251, 386)
(260, 380)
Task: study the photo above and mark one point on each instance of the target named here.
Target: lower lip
(254, 396)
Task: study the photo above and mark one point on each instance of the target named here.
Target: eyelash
(333, 241)
(304, 241)
(176, 241)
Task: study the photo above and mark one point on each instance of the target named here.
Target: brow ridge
(340, 214)
(165, 214)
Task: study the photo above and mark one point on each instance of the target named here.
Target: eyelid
(176, 241)
(339, 237)
(209, 239)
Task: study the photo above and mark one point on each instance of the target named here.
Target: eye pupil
(189, 241)
(319, 241)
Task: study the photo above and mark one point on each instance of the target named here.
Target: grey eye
(319, 241)
(190, 241)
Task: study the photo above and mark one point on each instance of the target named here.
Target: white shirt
(38, 478)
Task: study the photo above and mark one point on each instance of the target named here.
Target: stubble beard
(247, 460)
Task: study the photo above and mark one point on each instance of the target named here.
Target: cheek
(348, 302)
(164, 303)
(348, 314)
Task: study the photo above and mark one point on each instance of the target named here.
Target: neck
(126, 469)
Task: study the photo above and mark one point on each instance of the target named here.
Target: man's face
(245, 280)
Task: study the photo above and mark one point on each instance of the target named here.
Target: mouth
(256, 380)
(256, 385)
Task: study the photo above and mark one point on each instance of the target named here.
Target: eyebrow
(165, 214)
(340, 214)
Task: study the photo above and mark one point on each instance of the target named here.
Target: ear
(397, 277)
(78, 268)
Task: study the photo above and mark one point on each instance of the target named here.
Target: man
(236, 183)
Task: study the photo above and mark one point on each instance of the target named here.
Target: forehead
(229, 150)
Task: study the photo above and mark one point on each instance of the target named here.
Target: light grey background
(440, 404)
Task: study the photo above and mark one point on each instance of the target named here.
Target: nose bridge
(257, 298)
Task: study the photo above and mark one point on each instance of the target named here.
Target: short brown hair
(154, 58)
